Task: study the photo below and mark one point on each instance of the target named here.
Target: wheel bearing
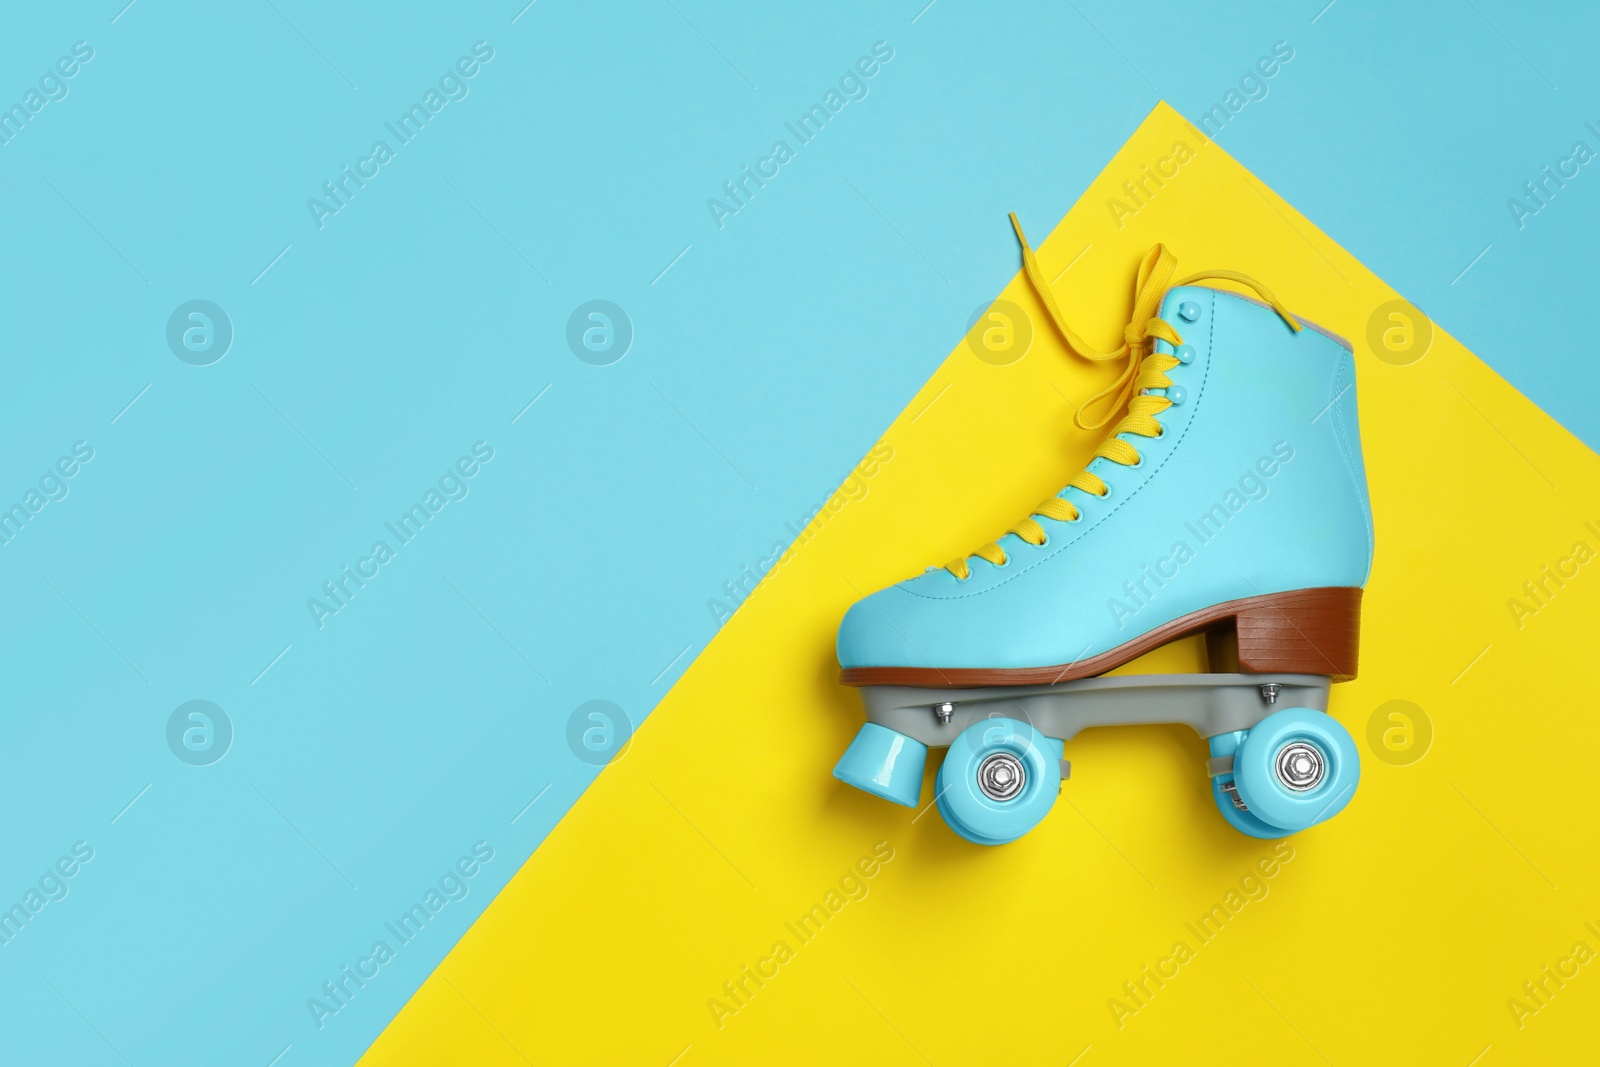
(1001, 776)
(1300, 766)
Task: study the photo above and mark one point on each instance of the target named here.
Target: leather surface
(1258, 486)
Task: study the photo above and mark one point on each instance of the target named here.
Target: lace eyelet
(1074, 520)
(1163, 432)
(1045, 543)
(1136, 464)
(1102, 496)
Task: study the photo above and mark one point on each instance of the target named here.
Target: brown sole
(1307, 631)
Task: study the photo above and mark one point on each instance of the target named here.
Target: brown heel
(1308, 631)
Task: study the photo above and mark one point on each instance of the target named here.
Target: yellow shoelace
(1145, 369)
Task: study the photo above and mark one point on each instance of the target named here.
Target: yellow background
(1396, 933)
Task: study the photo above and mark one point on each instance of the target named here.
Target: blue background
(369, 354)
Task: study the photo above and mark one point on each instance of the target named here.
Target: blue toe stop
(884, 763)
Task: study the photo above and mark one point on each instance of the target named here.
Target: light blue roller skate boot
(1230, 499)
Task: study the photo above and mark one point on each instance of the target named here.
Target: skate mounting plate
(1210, 703)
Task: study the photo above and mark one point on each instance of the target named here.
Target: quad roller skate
(1230, 499)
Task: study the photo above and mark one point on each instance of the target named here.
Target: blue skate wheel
(1226, 793)
(884, 763)
(1296, 768)
(999, 779)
